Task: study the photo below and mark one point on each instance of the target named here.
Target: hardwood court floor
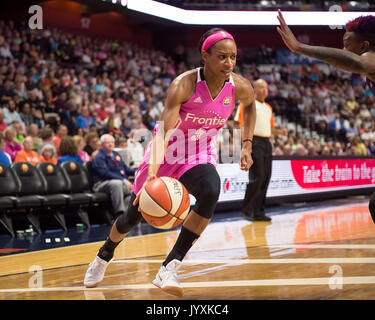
(310, 253)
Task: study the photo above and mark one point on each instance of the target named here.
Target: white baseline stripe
(260, 261)
(209, 284)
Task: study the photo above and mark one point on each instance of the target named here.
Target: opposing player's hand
(136, 200)
(287, 35)
(246, 159)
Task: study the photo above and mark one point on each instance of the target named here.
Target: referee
(260, 172)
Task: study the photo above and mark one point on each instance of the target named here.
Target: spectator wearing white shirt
(10, 113)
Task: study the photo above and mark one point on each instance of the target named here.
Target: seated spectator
(84, 120)
(312, 149)
(337, 149)
(287, 149)
(20, 133)
(121, 143)
(47, 138)
(111, 129)
(125, 127)
(27, 154)
(361, 149)
(47, 154)
(26, 115)
(10, 113)
(110, 175)
(33, 132)
(92, 143)
(6, 91)
(62, 132)
(12, 147)
(277, 146)
(93, 129)
(38, 117)
(68, 151)
(336, 128)
(80, 143)
(5, 159)
(3, 124)
(300, 150)
(325, 150)
(69, 115)
(102, 112)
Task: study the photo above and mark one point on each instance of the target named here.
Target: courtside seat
(32, 189)
(78, 183)
(9, 189)
(57, 190)
(79, 188)
(57, 186)
(32, 186)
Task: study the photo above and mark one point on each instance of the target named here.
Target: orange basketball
(164, 203)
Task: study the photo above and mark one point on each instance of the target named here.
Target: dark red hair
(364, 27)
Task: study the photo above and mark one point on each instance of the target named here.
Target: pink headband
(215, 37)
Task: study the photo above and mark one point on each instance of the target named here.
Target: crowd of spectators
(60, 91)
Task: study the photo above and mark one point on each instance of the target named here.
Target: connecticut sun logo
(227, 101)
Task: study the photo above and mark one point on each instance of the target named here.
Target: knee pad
(207, 195)
(126, 221)
(371, 206)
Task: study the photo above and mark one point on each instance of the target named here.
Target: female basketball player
(358, 55)
(201, 99)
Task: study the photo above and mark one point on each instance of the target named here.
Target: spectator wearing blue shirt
(68, 151)
(337, 129)
(84, 120)
(4, 157)
(110, 175)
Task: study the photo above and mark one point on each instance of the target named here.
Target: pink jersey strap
(215, 37)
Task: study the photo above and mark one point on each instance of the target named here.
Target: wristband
(247, 140)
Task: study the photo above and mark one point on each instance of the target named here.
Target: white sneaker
(166, 279)
(95, 272)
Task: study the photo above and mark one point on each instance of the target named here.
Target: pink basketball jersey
(195, 136)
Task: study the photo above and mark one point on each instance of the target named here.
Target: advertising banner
(296, 177)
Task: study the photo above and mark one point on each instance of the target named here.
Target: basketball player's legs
(120, 229)
(203, 182)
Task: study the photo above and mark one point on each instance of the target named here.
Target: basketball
(164, 203)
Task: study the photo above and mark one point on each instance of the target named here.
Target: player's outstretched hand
(287, 35)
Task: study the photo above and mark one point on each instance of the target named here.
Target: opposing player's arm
(179, 91)
(342, 59)
(339, 58)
